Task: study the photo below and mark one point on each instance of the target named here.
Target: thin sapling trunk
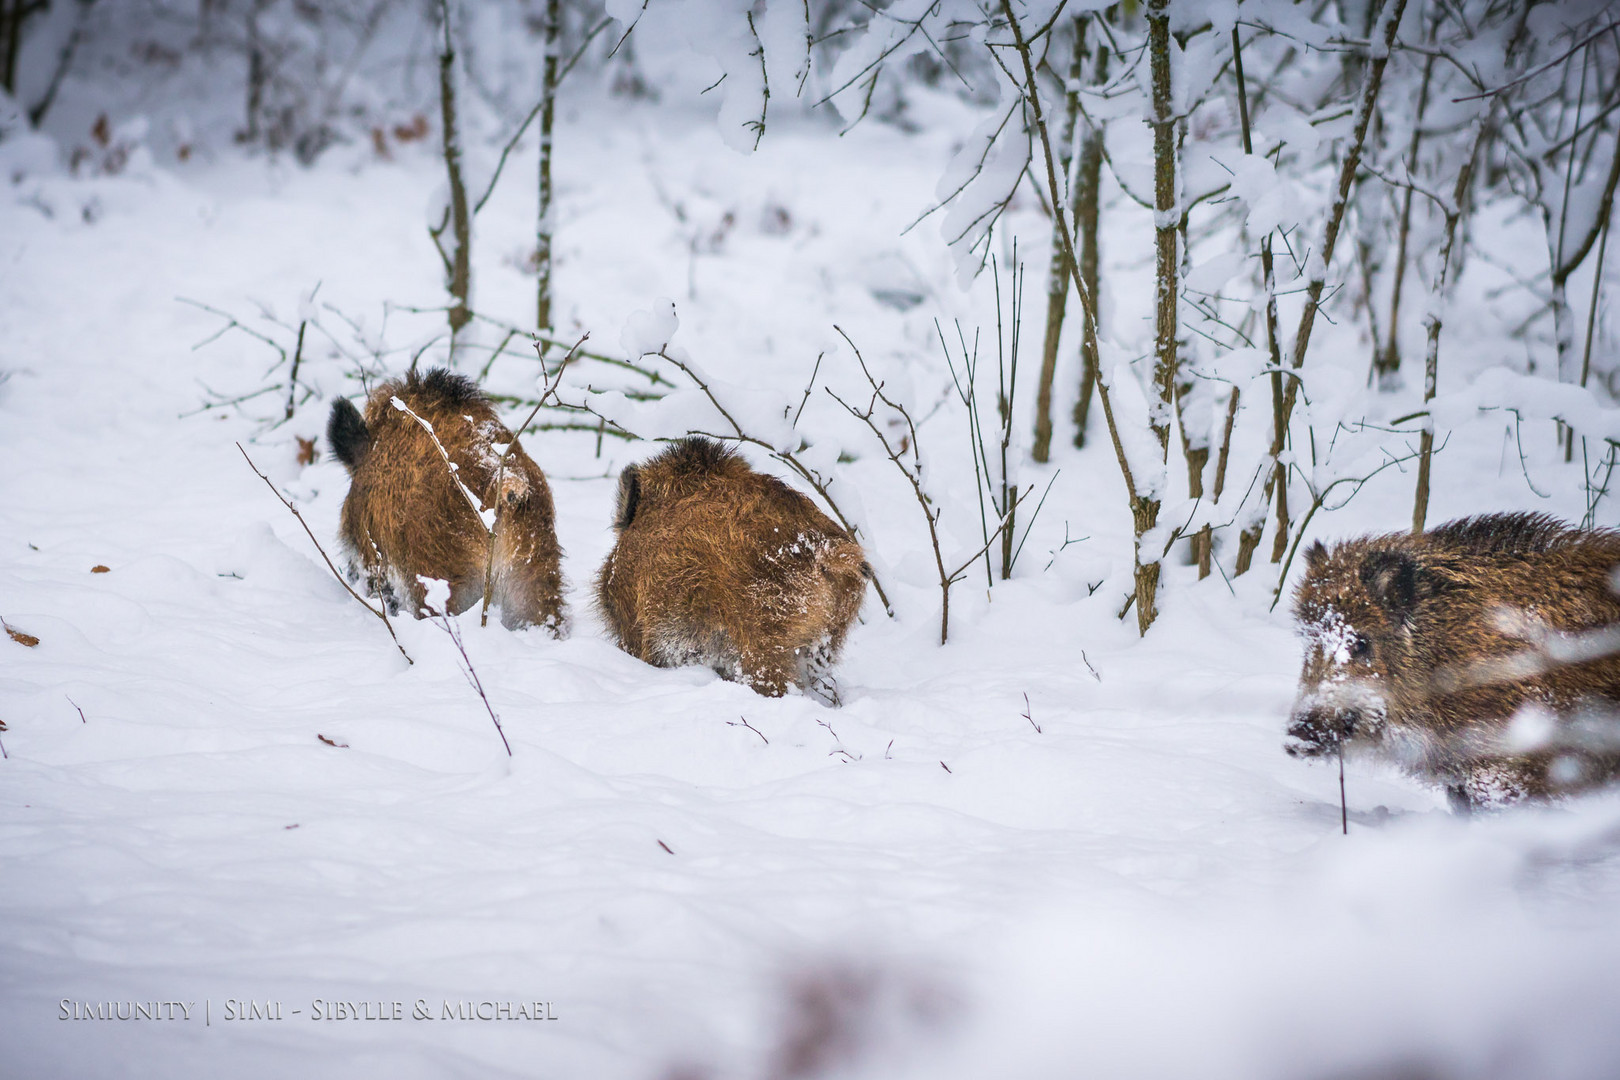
(1057, 288)
(543, 222)
(1087, 185)
(458, 215)
(1453, 208)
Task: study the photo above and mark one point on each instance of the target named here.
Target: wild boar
(720, 565)
(1483, 656)
(405, 517)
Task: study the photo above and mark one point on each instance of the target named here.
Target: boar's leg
(769, 672)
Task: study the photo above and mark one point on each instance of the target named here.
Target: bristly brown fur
(1425, 649)
(404, 519)
(720, 565)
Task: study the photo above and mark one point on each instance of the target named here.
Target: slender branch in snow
(448, 625)
(382, 611)
(765, 83)
(913, 473)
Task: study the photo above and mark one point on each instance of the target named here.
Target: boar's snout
(1320, 728)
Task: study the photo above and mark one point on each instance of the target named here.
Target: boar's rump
(404, 518)
(717, 564)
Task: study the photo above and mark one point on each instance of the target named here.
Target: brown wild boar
(717, 564)
(1483, 655)
(404, 518)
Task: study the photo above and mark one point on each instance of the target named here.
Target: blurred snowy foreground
(1046, 849)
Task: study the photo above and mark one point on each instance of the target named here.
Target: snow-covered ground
(1128, 879)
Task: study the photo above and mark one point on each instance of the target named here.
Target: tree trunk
(1057, 286)
(1145, 512)
(1194, 442)
(459, 262)
(255, 76)
(13, 15)
(10, 43)
(543, 223)
(1088, 184)
(1206, 544)
(1388, 362)
(1144, 517)
(1442, 289)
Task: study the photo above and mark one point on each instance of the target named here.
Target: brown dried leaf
(332, 742)
(417, 129)
(19, 637)
(100, 569)
(306, 450)
(101, 131)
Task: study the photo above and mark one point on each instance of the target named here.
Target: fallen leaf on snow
(19, 637)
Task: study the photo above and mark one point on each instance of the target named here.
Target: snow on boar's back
(1483, 656)
(406, 518)
(717, 564)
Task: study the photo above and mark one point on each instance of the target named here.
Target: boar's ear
(1392, 579)
(629, 497)
(1315, 556)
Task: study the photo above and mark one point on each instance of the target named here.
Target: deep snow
(1145, 886)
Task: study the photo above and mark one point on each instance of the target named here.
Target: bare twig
(838, 747)
(1318, 499)
(292, 378)
(1344, 809)
(913, 474)
(811, 385)
(380, 612)
(765, 79)
(743, 722)
(231, 323)
(448, 625)
(1548, 66)
(549, 341)
(1026, 714)
(626, 35)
